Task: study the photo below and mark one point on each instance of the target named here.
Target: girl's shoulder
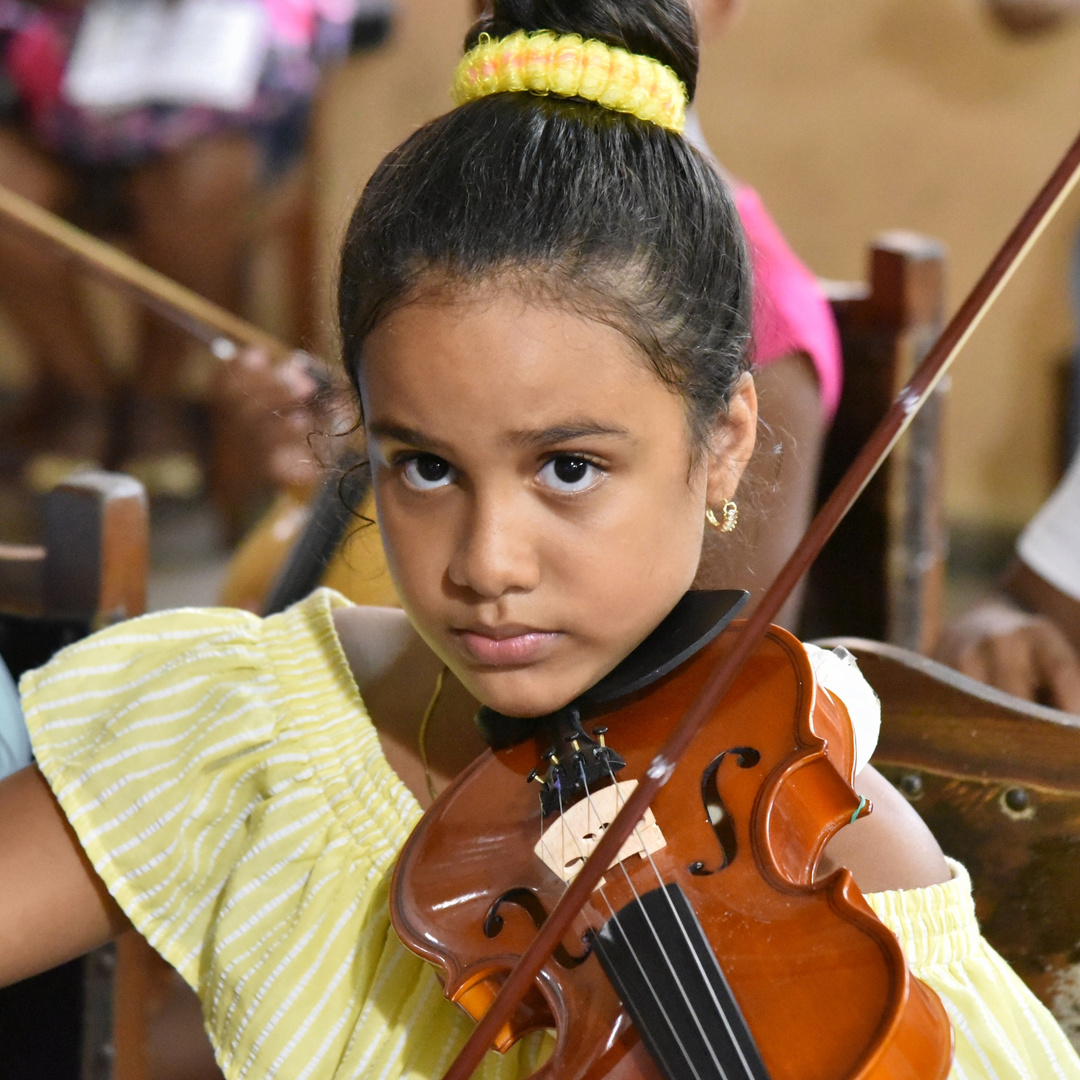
(187, 744)
(179, 690)
(148, 670)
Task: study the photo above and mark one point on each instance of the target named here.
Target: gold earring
(730, 512)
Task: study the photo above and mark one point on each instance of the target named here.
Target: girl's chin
(522, 693)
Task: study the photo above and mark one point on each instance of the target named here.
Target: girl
(797, 373)
(544, 306)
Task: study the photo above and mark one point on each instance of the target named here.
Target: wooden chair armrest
(21, 577)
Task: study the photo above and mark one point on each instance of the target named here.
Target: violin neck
(657, 957)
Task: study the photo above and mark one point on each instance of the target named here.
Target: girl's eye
(425, 472)
(570, 472)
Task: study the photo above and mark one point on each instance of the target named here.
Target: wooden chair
(997, 779)
(91, 568)
(881, 574)
(107, 1016)
(90, 571)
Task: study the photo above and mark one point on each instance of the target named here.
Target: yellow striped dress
(229, 788)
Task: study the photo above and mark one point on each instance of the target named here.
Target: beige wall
(850, 117)
(855, 116)
(377, 100)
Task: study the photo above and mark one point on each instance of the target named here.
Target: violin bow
(869, 459)
(221, 330)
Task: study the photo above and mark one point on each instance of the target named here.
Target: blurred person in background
(162, 120)
(1025, 637)
(14, 740)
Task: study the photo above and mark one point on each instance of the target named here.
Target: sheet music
(134, 52)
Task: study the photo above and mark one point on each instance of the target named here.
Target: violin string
(720, 1011)
(656, 937)
(580, 851)
(689, 945)
(629, 944)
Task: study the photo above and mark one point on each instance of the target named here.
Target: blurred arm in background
(1025, 639)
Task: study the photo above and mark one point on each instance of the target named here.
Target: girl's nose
(497, 551)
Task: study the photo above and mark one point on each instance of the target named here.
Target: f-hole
(746, 757)
(530, 903)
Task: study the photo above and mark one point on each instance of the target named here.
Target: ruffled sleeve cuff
(1001, 1030)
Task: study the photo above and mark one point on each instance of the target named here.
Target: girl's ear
(732, 442)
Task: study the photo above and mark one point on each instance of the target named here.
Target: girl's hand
(53, 907)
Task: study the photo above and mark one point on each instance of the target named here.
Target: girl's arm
(53, 907)
(889, 849)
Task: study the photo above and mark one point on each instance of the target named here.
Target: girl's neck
(396, 674)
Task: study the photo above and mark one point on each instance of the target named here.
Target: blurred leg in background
(64, 421)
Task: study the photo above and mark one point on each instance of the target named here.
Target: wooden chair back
(89, 571)
(997, 780)
(881, 574)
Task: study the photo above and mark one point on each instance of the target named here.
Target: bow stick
(893, 424)
(220, 330)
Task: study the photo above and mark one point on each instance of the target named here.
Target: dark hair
(614, 216)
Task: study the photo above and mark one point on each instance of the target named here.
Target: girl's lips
(524, 648)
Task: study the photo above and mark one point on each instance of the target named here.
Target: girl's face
(538, 499)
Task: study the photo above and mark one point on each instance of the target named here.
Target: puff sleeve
(225, 780)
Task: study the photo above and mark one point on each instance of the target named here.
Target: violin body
(822, 984)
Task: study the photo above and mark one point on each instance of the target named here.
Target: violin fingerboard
(659, 961)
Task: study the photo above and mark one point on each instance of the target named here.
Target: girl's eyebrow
(409, 436)
(549, 436)
(560, 433)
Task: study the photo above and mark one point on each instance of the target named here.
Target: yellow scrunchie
(570, 66)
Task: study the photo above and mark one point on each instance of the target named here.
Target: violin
(505, 954)
(709, 949)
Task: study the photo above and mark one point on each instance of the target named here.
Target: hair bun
(662, 29)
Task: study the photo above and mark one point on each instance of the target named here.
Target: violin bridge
(569, 840)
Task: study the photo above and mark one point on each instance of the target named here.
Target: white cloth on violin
(838, 672)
